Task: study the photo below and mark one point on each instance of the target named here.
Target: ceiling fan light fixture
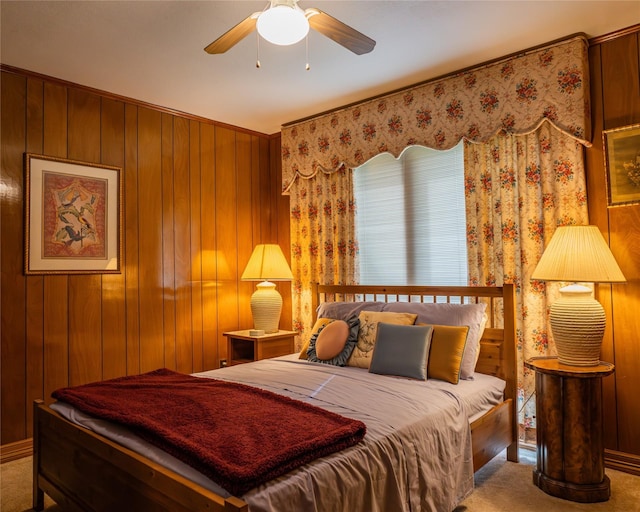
(283, 24)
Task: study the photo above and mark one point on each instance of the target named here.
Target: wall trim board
(106, 94)
(16, 450)
(622, 462)
(614, 35)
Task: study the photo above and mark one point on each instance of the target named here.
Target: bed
(105, 474)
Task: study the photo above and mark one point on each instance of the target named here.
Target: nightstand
(244, 348)
(570, 430)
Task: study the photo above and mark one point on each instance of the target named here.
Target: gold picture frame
(73, 216)
(622, 164)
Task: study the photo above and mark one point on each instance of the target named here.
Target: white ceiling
(153, 50)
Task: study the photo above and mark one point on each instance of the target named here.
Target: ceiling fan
(283, 22)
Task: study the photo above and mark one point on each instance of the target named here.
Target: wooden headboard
(498, 343)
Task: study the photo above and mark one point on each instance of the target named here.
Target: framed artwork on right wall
(622, 164)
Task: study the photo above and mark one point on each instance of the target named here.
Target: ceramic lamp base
(266, 306)
(577, 323)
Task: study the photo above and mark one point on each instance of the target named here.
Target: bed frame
(83, 471)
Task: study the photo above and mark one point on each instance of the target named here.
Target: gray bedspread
(416, 455)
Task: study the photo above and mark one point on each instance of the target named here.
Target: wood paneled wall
(615, 94)
(198, 195)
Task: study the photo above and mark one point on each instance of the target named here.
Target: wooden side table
(244, 348)
(570, 430)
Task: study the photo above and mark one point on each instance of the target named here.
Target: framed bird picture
(73, 216)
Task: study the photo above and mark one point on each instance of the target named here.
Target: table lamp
(578, 254)
(267, 263)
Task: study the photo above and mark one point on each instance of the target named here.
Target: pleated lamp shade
(578, 254)
(267, 263)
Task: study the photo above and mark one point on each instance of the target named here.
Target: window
(410, 220)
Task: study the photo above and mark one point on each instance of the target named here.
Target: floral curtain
(323, 248)
(513, 95)
(519, 189)
(523, 120)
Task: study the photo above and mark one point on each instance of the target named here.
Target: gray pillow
(472, 315)
(346, 310)
(401, 350)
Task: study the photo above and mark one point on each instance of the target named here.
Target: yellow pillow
(320, 322)
(361, 355)
(445, 354)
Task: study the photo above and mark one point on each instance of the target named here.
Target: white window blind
(411, 218)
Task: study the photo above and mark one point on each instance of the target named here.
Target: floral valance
(514, 95)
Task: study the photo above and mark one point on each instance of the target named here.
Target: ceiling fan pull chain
(257, 50)
(306, 42)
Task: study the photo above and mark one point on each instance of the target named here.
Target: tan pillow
(332, 339)
(445, 354)
(361, 355)
(320, 322)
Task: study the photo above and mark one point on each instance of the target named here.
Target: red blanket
(237, 435)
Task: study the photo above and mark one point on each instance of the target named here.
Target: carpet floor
(500, 486)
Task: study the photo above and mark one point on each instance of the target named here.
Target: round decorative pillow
(336, 341)
(332, 339)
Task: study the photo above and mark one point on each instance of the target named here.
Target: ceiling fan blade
(234, 35)
(342, 34)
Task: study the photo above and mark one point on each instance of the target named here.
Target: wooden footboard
(492, 433)
(83, 471)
